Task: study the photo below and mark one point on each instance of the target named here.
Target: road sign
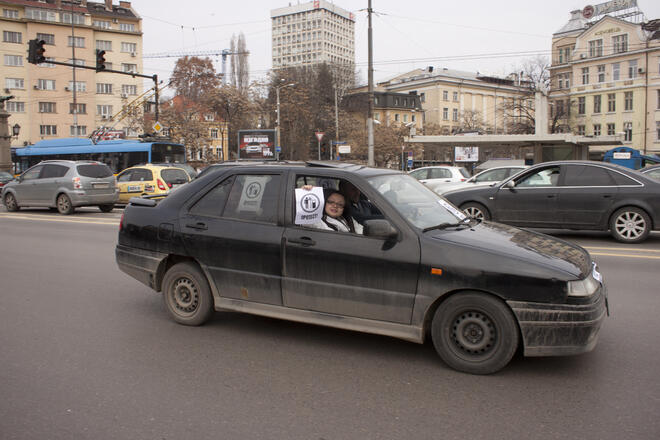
(339, 142)
(157, 127)
(410, 159)
(319, 135)
(278, 149)
(344, 149)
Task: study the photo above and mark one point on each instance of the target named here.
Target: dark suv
(237, 239)
(63, 184)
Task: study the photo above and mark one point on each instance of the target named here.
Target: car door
(346, 274)
(26, 190)
(439, 176)
(134, 183)
(586, 195)
(532, 201)
(49, 182)
(234, 230)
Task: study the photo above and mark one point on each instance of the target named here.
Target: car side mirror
(380, 228)
(510, 184)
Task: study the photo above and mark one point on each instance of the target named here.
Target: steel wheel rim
(10, 201)
(630, 225)
(184, 296)
(474, 212)
(473, 334)
(63, 203)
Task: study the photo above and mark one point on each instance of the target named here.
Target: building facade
(389, 108)
(43, 103)
(312, 33)
(605, 79)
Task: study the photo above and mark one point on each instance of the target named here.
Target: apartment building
(606, 77)
(43, 103)
(312, 33)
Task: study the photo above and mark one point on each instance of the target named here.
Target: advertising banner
(256, 144)
(466, 154)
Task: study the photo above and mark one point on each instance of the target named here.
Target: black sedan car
(247, 239)
(578, 195)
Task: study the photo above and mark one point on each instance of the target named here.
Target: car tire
(187, 294)
(630, 225)
(64, 205)
(10, 203)
(106, 208)
(475, 333)
(476, 210)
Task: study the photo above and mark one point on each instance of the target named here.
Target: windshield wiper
(442, 226)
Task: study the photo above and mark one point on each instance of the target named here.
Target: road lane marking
(621, 249)
(648, 257)
(61, 220)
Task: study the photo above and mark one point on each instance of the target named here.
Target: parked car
(192, 172)
(440, 174)
(580, 195)
(5, 177)
(62, 184)
(652, 171)
(484, 178)
(149, 180)
(234, 240)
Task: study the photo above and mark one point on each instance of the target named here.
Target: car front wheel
(476, 210)
(64, 205)
(187, 294)
(475, 333)
(10, 203)
(630, 225)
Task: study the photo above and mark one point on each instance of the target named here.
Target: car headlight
(583, 288)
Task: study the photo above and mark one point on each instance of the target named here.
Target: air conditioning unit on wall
(66, 88)
(583, 55)
(124, 95)
(133, 54)
(640, 70)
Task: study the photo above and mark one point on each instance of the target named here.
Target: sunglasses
(337, 204)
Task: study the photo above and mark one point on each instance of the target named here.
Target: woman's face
(334, 206)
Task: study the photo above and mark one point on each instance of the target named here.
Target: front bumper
(560, 329)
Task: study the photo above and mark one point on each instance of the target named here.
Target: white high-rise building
(312, 33)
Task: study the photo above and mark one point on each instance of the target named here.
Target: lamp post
(5, 135)
(277, 128)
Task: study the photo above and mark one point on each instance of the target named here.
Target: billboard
(256, 144)
(466, 154)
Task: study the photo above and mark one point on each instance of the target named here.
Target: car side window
(52, 171)
(254, 197)
(587, 175)
(213, 202)
(126, 176)
(419, 174)
(33, 173)
(439, 173)
(492, 175)
(655, 174)
(543, 178)
(142, 175)
(620, 179)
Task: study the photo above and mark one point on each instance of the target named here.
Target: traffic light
(100, 60)
(36, 51)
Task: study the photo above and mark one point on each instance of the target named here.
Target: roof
(494, 163)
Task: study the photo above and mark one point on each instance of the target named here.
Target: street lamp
(15, 130)
(277, 92)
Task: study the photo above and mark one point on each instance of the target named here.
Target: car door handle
(607, 196)
(305, 241)
(199, 226)
(551, 196)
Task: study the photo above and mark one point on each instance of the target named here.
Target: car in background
(192, 172)
(486, 177)
(572, 194)
(437, 175)
(652, 171)
(63, 184)
(5, 178)
(149, 180)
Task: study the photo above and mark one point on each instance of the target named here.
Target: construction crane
(205, 53)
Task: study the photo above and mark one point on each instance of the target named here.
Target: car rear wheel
(10, 203)
(64, 205)
(187, 294)
(630, 225)
(476, 210)
(106, 208)
(475, 333)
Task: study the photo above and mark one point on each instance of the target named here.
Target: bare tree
(193, 77)
(185, 121)
(234, 107)
(473, 121)
(240, 69)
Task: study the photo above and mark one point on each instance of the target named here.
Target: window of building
(75, 41)
(627, 130)
(596, 129)
(79, 86)
(104, 45)
(455, 96)
(104, 110)
(15, 106)
(101, 24)
(582, 105)
(77, 61)
(127, 27)
(14, 83)
(616, 71)
(611, 102)
(12, 37)
(214, 133)
(48, 38)
(10, 13)
(128, 47)
(657, 130)
(104, 88)
(47, 107)
(405, 117)
(632, 69)
(595, 48)
(78, 130)
(585, 75)
(40, 14)
(13, 60)
(658, 103)
(597, 103)
(46, 84)
(454, 114)
(601, 73)
(65, 17)
(396, 101)
(129, 89)
(620, 43)
(396, 116)
(131, 68)
(422, 97)
(581, 130)
(628, 101)
(48, 130)
(79, 109)
(611, 129)
(445, 95)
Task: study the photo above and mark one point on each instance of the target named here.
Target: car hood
(520, 250)
(441, 189)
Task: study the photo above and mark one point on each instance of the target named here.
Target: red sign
(319, 135)
(588, 12)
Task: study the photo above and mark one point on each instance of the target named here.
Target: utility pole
(336, 124)
(73, 55)
(370, 114)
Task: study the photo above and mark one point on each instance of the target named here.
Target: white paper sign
(253, 192)
(449, 207)
(309, 205)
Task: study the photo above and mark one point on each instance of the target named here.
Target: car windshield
(174, 175)
(415, 202)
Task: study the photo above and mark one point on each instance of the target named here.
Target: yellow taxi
(149, 180)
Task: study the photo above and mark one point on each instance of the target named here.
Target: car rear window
(174, 175)
(97, 170)
(464, 172)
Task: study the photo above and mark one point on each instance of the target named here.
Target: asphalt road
(89, 353)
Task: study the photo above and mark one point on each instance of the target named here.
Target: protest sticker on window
(309, 205)
(253, 192)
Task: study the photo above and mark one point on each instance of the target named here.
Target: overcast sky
(490, 37)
